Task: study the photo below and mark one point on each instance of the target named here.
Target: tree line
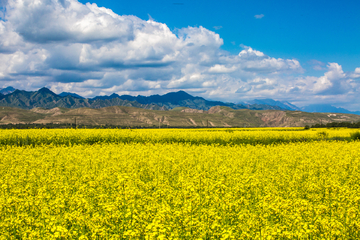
(337, 125)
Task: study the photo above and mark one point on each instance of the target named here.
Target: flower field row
(35, 137)
(180, 190)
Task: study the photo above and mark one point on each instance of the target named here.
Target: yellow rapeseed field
(179, 184)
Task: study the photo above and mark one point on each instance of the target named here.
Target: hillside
(218, 116)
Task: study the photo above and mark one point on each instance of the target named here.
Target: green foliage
(323, 134)
(355, 136)
(307, 127)
(337, 125)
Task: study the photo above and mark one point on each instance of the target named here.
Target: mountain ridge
(327, 108)
(281, 104)
(45, 98)
(183, 99)
(64, 94)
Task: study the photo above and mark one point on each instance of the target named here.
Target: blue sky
(301, 51)
(328, 31)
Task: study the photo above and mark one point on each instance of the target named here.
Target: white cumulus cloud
(83, 48)
(217, 68)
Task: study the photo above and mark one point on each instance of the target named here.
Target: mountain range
(45, 98)
(271, 102)
(327, 108)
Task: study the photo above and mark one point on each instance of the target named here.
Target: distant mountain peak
(45, 90)
(7, 90)
(179, 95)
(106, 97)
(180, 92)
